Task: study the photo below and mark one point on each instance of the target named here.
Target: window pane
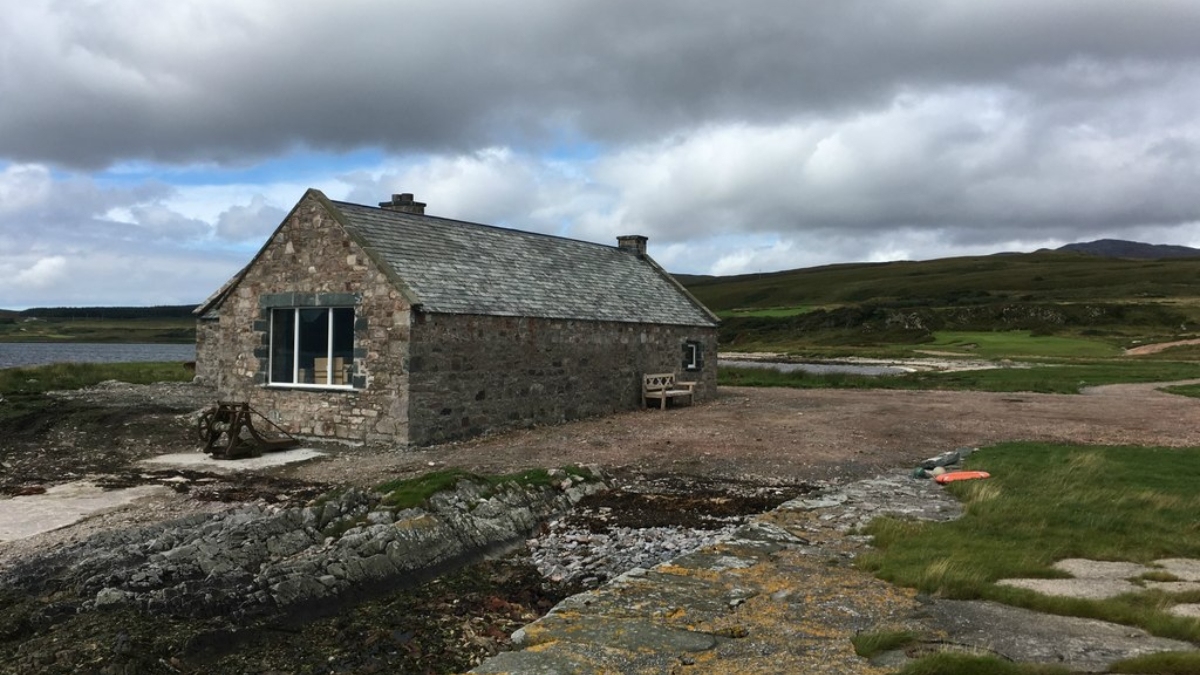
(343, 345)
(314, 342)
(282, 343)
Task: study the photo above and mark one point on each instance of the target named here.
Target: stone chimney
(634, 243)
(404, 203)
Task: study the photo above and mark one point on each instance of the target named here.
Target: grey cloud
(233, 81)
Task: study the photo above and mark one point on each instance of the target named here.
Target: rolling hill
(1135, 250)
(1102, 291)
(1043, 276)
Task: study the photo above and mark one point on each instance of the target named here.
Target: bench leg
(663, 403)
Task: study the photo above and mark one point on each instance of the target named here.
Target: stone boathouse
(387, 325)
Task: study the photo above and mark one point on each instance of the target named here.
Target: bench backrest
(658, 382)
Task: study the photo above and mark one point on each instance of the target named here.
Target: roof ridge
(471, 223)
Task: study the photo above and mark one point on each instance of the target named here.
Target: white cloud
(23, 186)
(253, 222)
(43, 273)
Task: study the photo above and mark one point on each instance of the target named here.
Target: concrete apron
(783, 596)
(63, 505)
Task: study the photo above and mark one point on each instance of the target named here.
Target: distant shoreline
(33, 354)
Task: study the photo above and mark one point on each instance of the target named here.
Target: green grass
(1018, 344)
(407, 493)
(77, 375)
(1045, 503)
(1192, 390)
(1164, 663)
(1063, 377)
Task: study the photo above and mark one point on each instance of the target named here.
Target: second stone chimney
(404, 203)
(634, 243)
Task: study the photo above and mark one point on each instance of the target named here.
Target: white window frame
(295, 383)
(693, 355)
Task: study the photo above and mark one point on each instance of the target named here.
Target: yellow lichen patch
(793, 610)
(706, 575)
(421, 522)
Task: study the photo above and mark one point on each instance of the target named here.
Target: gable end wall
(311, 261)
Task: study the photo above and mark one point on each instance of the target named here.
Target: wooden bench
(662, 386)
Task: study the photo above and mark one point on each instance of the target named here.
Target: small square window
(692, 358)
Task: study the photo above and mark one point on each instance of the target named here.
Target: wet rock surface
(260, 558)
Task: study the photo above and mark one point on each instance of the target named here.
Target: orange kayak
(961, 475)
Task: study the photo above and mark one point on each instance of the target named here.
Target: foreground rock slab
(63, 505)
(782, 595)
(1082, 645)
(258, 559)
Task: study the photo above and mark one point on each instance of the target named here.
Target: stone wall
(473, 374)
(311, 261)
(208, 350)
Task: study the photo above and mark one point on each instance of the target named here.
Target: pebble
(574, 554)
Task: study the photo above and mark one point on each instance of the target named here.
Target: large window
(312, 346)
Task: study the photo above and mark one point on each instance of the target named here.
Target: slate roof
(456, 267)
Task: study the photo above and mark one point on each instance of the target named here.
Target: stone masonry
(472, 374)
(315, 262)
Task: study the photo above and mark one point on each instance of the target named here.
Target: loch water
(22, 354)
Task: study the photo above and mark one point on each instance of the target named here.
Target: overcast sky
(148, 148)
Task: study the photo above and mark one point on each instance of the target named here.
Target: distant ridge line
(1136, 250)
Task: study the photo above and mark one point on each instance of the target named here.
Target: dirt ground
(760, 445)
(757, 436)
(788, 436)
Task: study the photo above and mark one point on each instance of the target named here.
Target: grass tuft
(407, 493)
(870, 645)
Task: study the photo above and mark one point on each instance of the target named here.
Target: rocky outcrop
(259, 559)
